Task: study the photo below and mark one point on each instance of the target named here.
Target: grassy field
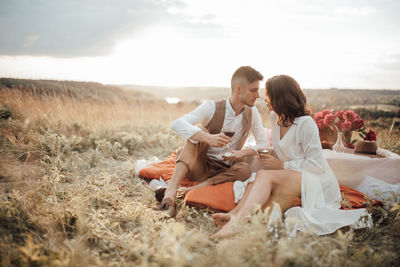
(70, 195)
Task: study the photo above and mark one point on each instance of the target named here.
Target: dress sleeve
(258, 131)
(308, 138)
(185, 125)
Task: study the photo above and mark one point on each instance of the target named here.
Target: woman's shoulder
(305, 119)
(306, 122)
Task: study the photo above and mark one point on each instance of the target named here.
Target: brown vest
(195, 155)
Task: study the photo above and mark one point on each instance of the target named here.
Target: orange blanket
(221, 198)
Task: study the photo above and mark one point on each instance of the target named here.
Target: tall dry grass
(70, 197)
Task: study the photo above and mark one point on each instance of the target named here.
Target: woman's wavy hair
(286, 98)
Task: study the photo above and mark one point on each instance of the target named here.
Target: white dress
(300, 149)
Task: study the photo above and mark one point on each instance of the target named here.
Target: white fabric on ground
(351, 169)
(378, 189)
(143, 163)
(239, 187)
(154, 183)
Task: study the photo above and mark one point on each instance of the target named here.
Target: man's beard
(250, 104)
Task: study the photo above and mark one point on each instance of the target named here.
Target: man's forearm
(200, 136)
(247, 152)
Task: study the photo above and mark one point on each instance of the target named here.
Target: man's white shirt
(187, 126)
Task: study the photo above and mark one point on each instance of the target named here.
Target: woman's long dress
(300, 149)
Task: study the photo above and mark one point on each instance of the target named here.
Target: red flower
(350, 115)
(350, 145)
(371, 136)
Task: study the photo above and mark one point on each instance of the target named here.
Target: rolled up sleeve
(186, 125)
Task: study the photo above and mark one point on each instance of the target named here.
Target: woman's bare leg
(288, 182)
(283, 197)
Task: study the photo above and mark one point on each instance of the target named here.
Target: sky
(321, 43)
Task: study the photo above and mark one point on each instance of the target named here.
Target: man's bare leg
(168, 202)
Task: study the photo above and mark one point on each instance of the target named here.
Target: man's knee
(242, 171)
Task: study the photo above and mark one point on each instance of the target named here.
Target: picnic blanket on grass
(221, 197)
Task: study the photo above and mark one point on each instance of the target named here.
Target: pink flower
(358, 123)
(329, 120)
(340, 114)
(326, 112)
(346, 126)
(350, 115)
(320, 124)
(318, 116)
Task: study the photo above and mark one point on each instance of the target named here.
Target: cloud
(77, 28)
(391, 62)
(30, 40)
(354, 11)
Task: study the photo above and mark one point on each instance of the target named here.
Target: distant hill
(72, 89)
(318, 99)
(325, 97)
(353, 98)
(183, 93)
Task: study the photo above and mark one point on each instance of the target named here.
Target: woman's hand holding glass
(268, 160)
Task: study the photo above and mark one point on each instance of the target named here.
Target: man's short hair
(245, 74)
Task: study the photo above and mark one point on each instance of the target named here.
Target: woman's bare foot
(220, 219)
(224, 232)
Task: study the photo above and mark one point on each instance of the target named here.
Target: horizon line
(186, 86)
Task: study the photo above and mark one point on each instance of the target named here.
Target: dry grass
(70, 197)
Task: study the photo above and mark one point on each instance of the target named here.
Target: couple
(298, 167)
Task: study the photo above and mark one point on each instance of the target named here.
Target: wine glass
(229, 130)
(263, 152)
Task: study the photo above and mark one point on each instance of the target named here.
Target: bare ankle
(170, 193)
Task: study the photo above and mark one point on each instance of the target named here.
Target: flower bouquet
(330, 124)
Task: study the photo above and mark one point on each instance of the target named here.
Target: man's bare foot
(224, 232)
(220, 219)
(168, 204)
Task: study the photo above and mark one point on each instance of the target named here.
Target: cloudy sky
(321, 43)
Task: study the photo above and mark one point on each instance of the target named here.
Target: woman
(298, 170)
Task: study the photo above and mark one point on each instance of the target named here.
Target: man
(204, 158)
